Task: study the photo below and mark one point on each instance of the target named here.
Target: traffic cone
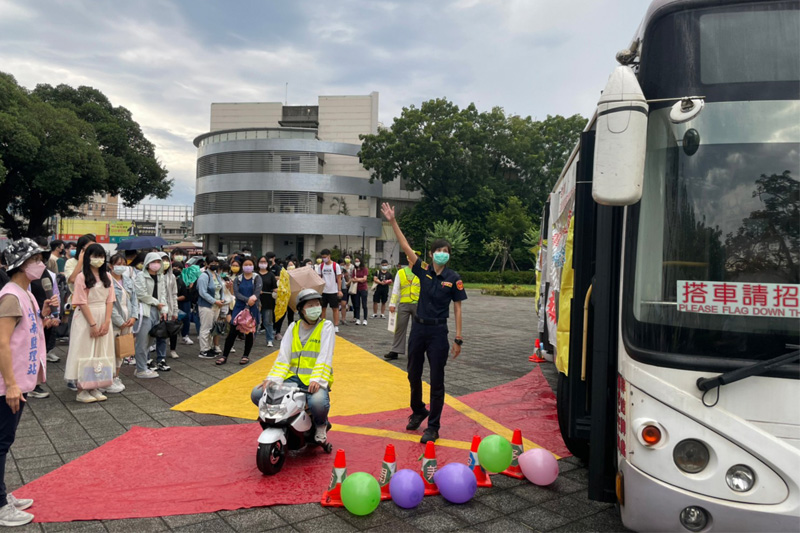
(480, 474)
(333, 496)
(516, 450)
(429, 469)
(388, 469)
(536, 358)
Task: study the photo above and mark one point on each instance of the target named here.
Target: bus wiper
(706, 384)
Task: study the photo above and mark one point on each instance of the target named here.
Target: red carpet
(186, 470)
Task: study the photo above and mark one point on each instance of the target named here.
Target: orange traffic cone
(388, 469)
(536, 358)
(516, 450)
(429, 469)
(480, 474)
(333, 496)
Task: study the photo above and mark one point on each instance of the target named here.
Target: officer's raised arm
(388, 213)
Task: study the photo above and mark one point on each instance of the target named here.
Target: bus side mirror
(620, 140)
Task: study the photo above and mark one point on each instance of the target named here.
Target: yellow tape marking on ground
(487, 422)
(386, 433)
(363, 384)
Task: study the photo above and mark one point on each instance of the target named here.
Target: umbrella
(185, 245)
(137, 243)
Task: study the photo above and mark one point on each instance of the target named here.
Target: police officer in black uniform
(438, 287)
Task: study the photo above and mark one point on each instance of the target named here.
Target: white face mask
(358, 263)
(263, 266)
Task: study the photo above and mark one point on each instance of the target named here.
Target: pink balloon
(539, 466)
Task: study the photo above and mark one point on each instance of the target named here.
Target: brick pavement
(497, 333)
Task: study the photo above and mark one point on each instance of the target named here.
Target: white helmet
(306, 295)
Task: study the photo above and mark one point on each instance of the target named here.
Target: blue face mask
(72, 253)
(441, 258)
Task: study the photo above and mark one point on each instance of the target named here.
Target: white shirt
(329, 271)
(327, 340)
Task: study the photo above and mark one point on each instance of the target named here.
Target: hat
(19, 251)
(306, 295)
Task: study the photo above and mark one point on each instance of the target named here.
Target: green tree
(454, 232)
(52, 159)
(508, 226)
(467, 162)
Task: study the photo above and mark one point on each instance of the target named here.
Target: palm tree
(339, 203)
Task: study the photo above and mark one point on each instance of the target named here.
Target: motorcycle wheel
(270, 458)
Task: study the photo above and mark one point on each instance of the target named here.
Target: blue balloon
(407, 488)
(456, 482)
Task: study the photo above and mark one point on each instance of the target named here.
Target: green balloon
(361, 493)
(494, 453)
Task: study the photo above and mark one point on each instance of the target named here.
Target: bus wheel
(578, 447)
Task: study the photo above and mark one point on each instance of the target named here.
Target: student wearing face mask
(74, 264)
(438, 287)
(22, 358)
(125, 311)
(306, 361)
(269, 285)
(171, 285)
(247, 288)
(330, 272)
(151, 292)
(209, 303)
(382, 279)
(91, 331)
(360, 275)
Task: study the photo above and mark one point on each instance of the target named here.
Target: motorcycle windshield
(275, 395)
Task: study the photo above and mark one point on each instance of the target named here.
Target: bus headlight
(740, 478)
(694, 518)
(691, 456)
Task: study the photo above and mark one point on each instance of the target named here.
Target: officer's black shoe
(390, 356)
(430, 435)
(415, 420)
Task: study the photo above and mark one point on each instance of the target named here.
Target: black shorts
(330, 299)
(381, 295)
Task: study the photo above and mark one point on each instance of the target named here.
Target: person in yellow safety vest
(306, 360)
(406, 294)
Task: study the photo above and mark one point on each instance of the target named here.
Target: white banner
(744, 299)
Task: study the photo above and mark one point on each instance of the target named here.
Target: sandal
(244, 361)
(222, 360)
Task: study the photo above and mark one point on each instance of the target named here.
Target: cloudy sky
(167, 61)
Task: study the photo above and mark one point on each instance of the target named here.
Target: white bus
(670, 273)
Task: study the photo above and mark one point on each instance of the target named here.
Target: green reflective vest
(303, 361)
(409, 287)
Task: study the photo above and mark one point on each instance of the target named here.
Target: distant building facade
(288, 179)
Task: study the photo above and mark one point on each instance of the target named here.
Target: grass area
(497, 285)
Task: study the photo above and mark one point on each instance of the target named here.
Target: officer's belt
(430, 321)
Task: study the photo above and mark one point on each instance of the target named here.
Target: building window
(361, 197)
(290, 163)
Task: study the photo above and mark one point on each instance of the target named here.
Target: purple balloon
(407, 488)
(456, 482)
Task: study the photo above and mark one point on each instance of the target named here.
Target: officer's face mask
(441, 258)
(313, 313)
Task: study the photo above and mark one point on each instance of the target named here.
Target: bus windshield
(717, 267)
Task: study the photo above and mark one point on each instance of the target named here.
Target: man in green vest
(406, 294)
(306, 360)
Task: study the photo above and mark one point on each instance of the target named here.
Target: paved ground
(497, 343)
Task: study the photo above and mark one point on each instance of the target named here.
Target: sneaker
(365, 322)
(174, 354)
(217, 350)
(149, 361)
(358, 322)
(52, 357)
(71, 385)
(430, 435)
(116, 387)
(415, 420)
(233, 350)
(20, 504)
(38, 392)
(336, 329)
(374, 315)
(97, 395)
(383, 317)
(11, 516)
(321, 434)
(270, 345)
(152, 348)
(163, 366)
(207, 355)
(147, 374)
(84, 397)
(129, 360)
(187, 341)
(391, 356)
